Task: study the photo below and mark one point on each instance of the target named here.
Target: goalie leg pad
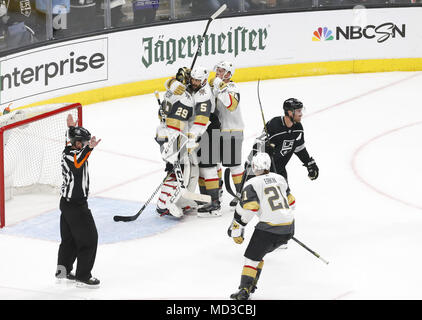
(167, 190)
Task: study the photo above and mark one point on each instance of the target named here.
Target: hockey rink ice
(363, 214)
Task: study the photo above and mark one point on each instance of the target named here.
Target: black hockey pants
(79, 238)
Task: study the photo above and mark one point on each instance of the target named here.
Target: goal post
(31, 145)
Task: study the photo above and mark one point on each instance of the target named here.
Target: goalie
(182, 123)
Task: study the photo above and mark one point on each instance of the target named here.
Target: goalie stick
(134, 217)
(186, 194)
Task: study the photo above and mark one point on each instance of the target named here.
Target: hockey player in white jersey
(263, 195)
(189, 98)
(205, 121)
(175, 112)
(227, 97)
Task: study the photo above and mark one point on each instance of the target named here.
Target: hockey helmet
(200, 73)
(261, 161)
(183, 75)
(292, 104)
(226, 65)
(78, 134)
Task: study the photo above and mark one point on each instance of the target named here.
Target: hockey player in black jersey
(79, 237)
(283, 137)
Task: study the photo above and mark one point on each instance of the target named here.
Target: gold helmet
(183, 75)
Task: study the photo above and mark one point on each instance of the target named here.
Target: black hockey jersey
(283, 142)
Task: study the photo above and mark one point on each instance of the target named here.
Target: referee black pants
(79, 238)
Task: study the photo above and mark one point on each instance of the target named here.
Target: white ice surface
(363, 213)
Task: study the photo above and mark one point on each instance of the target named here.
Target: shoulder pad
(203, 94)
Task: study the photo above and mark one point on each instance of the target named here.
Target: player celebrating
(205, 122)
(174, 113)
(264, 195)
(189, 105)
(227, 97)
(285, 138)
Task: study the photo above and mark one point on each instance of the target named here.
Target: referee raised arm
(79, 237)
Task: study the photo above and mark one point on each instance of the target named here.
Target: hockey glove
(218, 85)
(269, 148)
(313, 170)
(236, 231)
(176, 87)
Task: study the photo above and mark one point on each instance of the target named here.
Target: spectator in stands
(144, 11)
(3, 27)
(118, 18)
(82, 17)
(205, 7)
(23, 25)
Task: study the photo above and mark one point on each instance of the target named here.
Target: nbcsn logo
(322, 34)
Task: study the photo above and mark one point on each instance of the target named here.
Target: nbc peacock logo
(322, 34)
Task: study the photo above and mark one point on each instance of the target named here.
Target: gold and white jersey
(228, 107)
(265, 196)
(203, 107)
(179, 111)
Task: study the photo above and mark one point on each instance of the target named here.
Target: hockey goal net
(31, 142)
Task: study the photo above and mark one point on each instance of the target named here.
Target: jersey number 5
(274, 200)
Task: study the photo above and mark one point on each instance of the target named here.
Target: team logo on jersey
(286, 147)
(202, 91)
(25, 7)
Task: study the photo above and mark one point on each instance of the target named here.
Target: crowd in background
(23, 22)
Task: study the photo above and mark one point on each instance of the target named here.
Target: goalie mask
(78, 134)
(261, 162)
(183, 75)
(226, 65)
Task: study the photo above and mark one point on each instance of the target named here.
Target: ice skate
(60, 278)
(92, 283)
(212, 209)
(162, 212)
(242, 294)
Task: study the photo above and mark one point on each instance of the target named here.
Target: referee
(79, 237)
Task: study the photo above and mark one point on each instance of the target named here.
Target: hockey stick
(311, 251)
(293, 238)
(134, 217)
(265, 124)
(227, 182)
(213, 17)
(246, 173)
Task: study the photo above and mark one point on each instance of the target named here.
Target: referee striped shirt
(75, 172)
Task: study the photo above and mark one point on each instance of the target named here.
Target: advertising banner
(253, 41)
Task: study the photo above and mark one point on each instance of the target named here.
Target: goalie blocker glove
(313, 170)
